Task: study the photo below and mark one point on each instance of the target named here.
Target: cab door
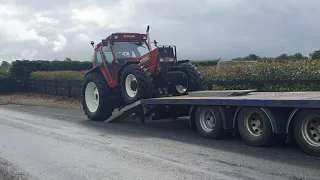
(110, 63)
(106, 67)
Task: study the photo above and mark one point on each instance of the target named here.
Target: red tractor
(126, 69)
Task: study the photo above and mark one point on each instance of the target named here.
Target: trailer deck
(267, 99)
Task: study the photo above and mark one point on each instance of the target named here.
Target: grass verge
(35, 99)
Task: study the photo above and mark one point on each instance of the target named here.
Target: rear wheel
(209, 122)
(96, 103)
(194, 80)
(254, 126)
(307, 131)
(135, 84)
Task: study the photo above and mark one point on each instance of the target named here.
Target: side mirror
(155, 43)
(92, 43)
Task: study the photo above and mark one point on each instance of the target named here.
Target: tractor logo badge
(129, 36)
(145, 59)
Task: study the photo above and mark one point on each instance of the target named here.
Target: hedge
(25, 67)
(57, 75)
(294, 70)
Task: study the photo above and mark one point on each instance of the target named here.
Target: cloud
(202, 29)
(59, 44)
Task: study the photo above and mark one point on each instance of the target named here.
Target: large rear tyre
(96, 103)
(135, 84)
(194, 80)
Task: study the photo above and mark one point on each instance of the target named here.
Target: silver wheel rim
(311, 131)
(254, 124)
(92, 97)
(181, 89)
(207, 120)
(129, 79)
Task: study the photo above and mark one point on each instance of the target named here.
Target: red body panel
(149, 61)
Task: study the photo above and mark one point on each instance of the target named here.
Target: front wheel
(96, 103)
(135, 84)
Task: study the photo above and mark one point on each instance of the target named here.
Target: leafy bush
(205, 62)
(289, 70)
(24, 68)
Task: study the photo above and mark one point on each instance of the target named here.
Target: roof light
(144, 37)
(115, 37)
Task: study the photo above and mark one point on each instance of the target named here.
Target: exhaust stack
(148, 38)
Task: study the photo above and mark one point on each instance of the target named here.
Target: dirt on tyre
(96, 102)
(194, 80)
(208, 122)
(306, 129)
(135, 84)
(254, 127)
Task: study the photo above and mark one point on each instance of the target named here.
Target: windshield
(130, 49)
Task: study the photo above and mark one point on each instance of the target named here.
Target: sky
(201, 29)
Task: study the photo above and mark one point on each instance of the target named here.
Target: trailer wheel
(254, 126)
(208, 122)
(306, 130)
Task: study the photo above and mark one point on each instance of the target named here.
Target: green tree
(252, 57)
(315, 54)
(5, 66)
(283, 56)
(68, 59)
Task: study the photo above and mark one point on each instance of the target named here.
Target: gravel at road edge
(8, 171)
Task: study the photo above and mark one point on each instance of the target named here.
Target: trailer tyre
(208, 122)
(254, 127)
(306, 130)
(96, 103)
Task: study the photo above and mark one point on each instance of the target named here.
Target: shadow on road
(179, 130)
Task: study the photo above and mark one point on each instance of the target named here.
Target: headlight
(161, 59)
(170, 59)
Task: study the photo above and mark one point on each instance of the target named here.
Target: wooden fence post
(56, 87)
(45, 86)
(69, 88)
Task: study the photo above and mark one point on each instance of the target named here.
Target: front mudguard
(94, 69)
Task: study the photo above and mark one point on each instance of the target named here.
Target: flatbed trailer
(260, 118)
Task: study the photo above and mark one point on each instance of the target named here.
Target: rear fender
(92, 70)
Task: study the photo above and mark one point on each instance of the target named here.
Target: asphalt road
(49, 143)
